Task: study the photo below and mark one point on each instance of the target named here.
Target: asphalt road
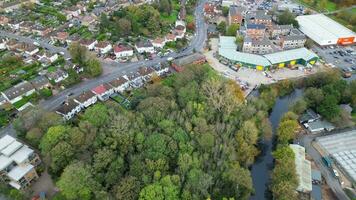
(196, 44)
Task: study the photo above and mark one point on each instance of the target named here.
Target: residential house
(12, 44)
(309, 116)
(17, 163)
(57, 76)
(120, 84)
(259, 17)
(4, 20)
(28, 49)
(212, 31)
(40, 82)
(17, 92)
(60, 37)
(210, 9)
(88, 20)
(135, 79)
(72, 11)
(236, 15)
(170, 37)
(26, 27)
(255, 31)
(146, 73)
(292, 41)
(144, 47)
(86, 99)
(319, 126)
(68, 109)
(179, 31)
(88, 43)
(46, 55)
(73, 38)
(11, 5)
(2, 100)
(159, 43)
(278, 30)
(257, 46)
(295, 39)
(161, 69)
(195, 58)
(14, 24)
(103, 47)
(103, 91)
(41, 31)
(2, 43)
(121, 51)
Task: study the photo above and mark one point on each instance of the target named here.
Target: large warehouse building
(288, 58)
(342, 148)
(325, 31)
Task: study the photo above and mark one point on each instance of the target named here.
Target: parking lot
(247, 78)
(338, 56)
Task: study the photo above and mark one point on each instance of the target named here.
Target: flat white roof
(19, 171)
(5, 141)
(22, 154)
(4, 162)
(321, 28)
(10, 149)
(15, 185)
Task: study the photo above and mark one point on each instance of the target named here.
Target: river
(263, 165)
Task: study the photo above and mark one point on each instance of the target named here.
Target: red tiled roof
(62, 35)
(121, 48)
(99, 89)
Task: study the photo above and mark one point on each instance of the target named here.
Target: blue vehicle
(327, 161)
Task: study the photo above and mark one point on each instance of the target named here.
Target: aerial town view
(177, 99)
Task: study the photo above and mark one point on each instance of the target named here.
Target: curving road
(116, 69)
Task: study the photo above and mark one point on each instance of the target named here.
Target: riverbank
(263, 165)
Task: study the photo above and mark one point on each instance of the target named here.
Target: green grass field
(330, 6)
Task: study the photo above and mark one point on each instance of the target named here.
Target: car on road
(335, 173)
(62, 53)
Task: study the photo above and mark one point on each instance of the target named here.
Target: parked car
(347, 73)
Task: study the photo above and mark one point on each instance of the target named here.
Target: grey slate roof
(18, 90)
(67, 107)
(40, 81)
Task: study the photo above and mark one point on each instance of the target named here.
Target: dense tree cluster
(284, 177)
(189, 136)
(80, 56)
(287, 17)
(326, 91)
(143, 20)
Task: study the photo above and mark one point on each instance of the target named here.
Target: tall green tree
(77, 182)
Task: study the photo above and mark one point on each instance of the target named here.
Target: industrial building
(342, 148)
(288, 58)
(325, 31)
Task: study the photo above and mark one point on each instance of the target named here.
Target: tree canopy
(188, 136)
